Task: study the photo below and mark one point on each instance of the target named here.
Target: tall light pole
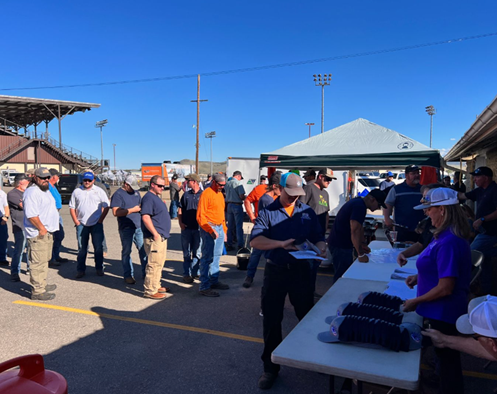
(101, 124)
(322, 80)
(198, 101)
(210, 135)
(430, 110)
(114, 145)
(309, 124)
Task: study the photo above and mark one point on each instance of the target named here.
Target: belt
(237, 203)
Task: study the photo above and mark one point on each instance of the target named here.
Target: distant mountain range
(205, 166)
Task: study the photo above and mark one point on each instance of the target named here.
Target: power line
(260, 68)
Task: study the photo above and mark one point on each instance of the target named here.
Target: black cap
(379, 196)
(174, 177)
(54, 172)
(263, 177)
(20, 177)
(238, 173)
(412, 168)
(483, 171)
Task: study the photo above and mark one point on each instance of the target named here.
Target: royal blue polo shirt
(189, 204)
(404, 198)
(274, 223)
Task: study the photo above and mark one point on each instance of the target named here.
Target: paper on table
(400, 289)
(403, 270)
(306, 254)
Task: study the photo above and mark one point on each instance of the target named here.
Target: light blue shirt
(234, 189)
(56, 196)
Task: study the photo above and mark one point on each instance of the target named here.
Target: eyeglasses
(160, 186)
(87, 180)
(221, 184)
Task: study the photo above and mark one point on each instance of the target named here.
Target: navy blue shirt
(341, 235)
(404, 198)
(264, 201)
(274, 223)
(122, 199)
(486, 204)
(189, 204)
(157, 209)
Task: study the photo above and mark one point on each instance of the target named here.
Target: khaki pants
(40, 253)
(156, 257)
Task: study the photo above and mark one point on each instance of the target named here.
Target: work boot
(50, 287)
(248, 282)
(187, 279)
(80, 274)
(43, 296)
(100, 272)
(54, 263)
(130, 280)
(15, 278)
(266, 380)
(209, 293)
(62, 260)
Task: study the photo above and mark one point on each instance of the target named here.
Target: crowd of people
(286, 214)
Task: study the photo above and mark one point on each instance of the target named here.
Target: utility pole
(309, 124)
(210, 135)
(322, 81)
(100, 125)
(198, 101)
(114, 145)
(430, 110)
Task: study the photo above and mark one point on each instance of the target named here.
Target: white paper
(400, 289)
(306, 254)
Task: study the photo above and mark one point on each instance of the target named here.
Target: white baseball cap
(437, 197)
(481, 317)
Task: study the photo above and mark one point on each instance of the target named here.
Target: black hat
(379, 196)
(238, 173)
(54, 172)
(483, 171)
(20, 177)
(412, 168)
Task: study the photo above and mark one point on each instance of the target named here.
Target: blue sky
(62, 43)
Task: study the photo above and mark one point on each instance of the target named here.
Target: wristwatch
(482, 219)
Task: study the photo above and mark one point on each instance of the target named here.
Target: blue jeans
(191, 245)
(235, 222)
(4, 236)
(130, 236)
(254, 262)
(211, 253)
(173, 209)
(97, 236)
(58, 237)
(342, 259)
(78, 236)
(19, 246)
(486, 244)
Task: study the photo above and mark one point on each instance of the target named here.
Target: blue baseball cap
(89, 175)
(390, 173)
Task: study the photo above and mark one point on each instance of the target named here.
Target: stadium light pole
(430, 110)
(322, 80)
(101, 124)
(309, 124)
(114, 145)
(210, 135)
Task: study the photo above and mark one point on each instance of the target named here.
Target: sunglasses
(87, 180)
(221, 184)
(44, 178)
(161, 186)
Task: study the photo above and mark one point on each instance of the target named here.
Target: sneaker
(130, 280)
(209, 293)
(15, 278)
(50, 287)
(248, 282)
(187, 279)
(80, 274)
(156, 296)
(266, 380)
(54, 263)
(220, 286)
(43, 296)
(62, 260)
(163, 290)
(100, 272)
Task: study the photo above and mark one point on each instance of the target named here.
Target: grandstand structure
(24, 144)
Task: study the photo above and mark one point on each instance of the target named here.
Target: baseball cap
(31, 171)
(238, 173)
(379, 196)
(192, 177)
(447, 177)
(89, 175)
(174, 177)
(263, 177)
(412, 168)
(328, 173)
(292, 184)
(390, 173)
(20, 177)
(275, 179)
(437, 197)
(483, 171)
(481, 317)
(219, 178)
(132, 182)
(310, 173)
(42, 172)
(54, 172)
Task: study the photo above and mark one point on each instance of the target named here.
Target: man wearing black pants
(278, 227)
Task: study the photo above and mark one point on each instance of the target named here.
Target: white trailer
(249, 168)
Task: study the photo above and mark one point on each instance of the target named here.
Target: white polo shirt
(38, 203)
(3, 202)
(88, 204)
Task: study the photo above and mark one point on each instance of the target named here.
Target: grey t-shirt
(319, 201)
(14, 197)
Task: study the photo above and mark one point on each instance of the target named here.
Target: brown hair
(455, 219)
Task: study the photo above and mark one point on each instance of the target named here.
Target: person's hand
(136, 208)
(401, 259)
(366, 248)
(389, 223)
(157, 237)
(411, 281)
(323, 252)
(410, 305)
(477, 224)
(182, 226)
(288, 244)
(437, 337)
(363, 259)
(43, 232)
(214, 234)
(252, 220)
